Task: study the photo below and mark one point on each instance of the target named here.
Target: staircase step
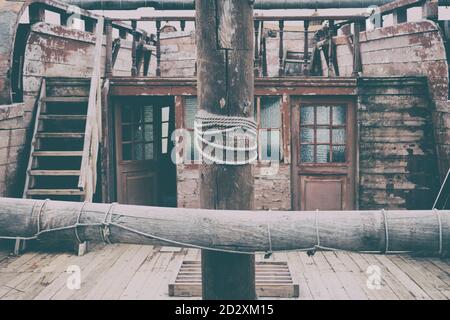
(66, 99)
(57, 153)
(60, 135)
(74, 117)
(55, 192)
(63, 173)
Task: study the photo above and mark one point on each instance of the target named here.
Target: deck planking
(144, 272)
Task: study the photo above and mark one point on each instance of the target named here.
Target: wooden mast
(424, 232)
(224, 31)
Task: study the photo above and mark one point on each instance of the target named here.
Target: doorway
(146, 174)
(324, 154)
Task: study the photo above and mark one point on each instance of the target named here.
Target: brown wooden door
(136, 153)
(323, 154)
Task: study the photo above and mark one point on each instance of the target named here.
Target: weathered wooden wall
(10, 13)
(14, 122)
(409, 49)
(51, 51)
(397, 156)
(58, 51)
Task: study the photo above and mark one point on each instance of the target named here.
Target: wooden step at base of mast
(273, 280)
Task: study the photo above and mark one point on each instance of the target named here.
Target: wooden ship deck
(144, 272)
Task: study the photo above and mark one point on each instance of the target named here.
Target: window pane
(126, 114)
(164, 145)
(270, 144)
(138, 152)
(138, 133)
(307, 153)
(126, 133)
(165, 130)
(270, 113)
(165, 114)
(126, 152)
(307, 135)
(323, 115)
(323, 135)
(149, 151)
(137, 116)
(338, 154)
(148, 132)
(306, 115)
(339, 115)
(339, 136)
(190, 110)
(323, 154)
(148, 113)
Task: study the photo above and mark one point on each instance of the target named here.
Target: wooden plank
(433, 286)
(54, 172)
(66, 99)
(57, 154)
(60, 135)
(130, 268)
(55, 192)
(58, 117)
(396, 278)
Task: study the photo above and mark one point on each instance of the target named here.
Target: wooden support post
(430, 10)
(357, 63)
(109, 49)
(306, 48)
(257, 63)
(133, 49)
(36, 13)
(182, 25)
(400, 15)
(226, 86)
(158, 48)
(331, 69)
(281, 47)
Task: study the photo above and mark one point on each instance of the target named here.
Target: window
(268, 119)
(165, 115)
(138, 133)
(323, 134)
(190, 110)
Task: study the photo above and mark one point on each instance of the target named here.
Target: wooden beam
(417, 232)
(109, 47)
(226, 86)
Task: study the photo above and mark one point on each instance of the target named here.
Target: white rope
(386, 231)
(269, 253)
(441, 249)
(245, 129)
(78, 223)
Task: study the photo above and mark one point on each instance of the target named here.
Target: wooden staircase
(57, 147)
(66, 138)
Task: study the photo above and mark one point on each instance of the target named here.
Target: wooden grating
(273, 280)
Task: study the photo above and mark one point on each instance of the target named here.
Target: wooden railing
(93, 131)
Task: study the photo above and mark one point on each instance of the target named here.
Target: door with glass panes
(323, 154)
(145, 174)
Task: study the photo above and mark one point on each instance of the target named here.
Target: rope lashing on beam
(112, 219)
(217, 137)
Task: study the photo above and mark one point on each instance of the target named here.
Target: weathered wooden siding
(10, 12)
(409, 49)
(397, 158)
(14, 121)
(58, 51)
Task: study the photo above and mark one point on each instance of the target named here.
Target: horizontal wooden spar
(421, 232)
